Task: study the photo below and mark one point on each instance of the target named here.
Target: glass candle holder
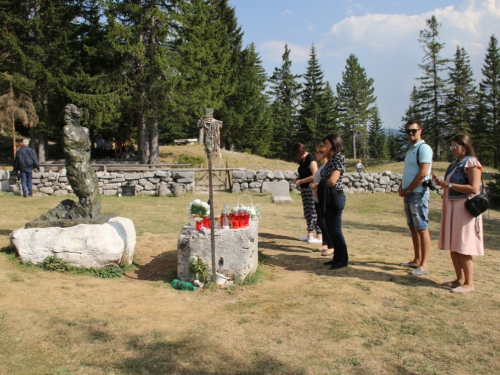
(206, 221)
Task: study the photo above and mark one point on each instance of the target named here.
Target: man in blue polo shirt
(417, 168)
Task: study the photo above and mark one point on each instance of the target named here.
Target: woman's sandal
(327, 252)
(451, 284)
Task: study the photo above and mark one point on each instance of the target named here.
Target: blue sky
(383, 34)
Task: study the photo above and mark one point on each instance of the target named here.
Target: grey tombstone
(280, 191)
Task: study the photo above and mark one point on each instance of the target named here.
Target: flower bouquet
(198, 207)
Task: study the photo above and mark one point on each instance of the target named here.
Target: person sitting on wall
(107, 148)
(119, 148)
(99, 146)
(129, 146)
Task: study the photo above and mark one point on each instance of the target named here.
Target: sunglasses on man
(412, 131)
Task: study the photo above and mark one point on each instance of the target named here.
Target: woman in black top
(331, 175)
(307, 168)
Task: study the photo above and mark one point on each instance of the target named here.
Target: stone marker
(280, 191)
(236, 249)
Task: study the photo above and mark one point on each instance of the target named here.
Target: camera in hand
(429, 184)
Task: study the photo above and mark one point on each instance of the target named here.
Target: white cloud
(273, 50)
(310, 26)
(387, 46)
(471, 23)
(285, 13)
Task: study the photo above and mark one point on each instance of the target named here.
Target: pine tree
(40, 55)
(284, 90)
(139, 30)
(245, 113)
(208, 48)
(481, 134)
(355, 99)
(95, 79)
(312, 99)
(462, 99)
(376, 137)
(393, 145)
(490, 97)
(414, 113)
(329, 117)
(433, 89)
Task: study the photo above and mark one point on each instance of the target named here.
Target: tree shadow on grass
(5, 232)
(280, 243)
(162, 267)
(386, 228)
(291, 259)
(366, 270)
(187, 358)
(158, 352)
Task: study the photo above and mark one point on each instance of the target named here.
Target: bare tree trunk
(354, 144)
(155, 151)
(14, 136)
(42, 149)
(144, 150)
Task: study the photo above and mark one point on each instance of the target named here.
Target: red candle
(198, 224)
(206, 221)
(235, 219)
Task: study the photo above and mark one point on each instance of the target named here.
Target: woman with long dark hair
(331, 184)
(307, 168)
(322, 157)
(461, 233)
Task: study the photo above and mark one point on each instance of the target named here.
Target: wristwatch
(408, 191)
(450, 185)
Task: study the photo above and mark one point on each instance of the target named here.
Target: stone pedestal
(84, 245)
(236, 250)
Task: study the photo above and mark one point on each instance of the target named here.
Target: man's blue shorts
(417, 210)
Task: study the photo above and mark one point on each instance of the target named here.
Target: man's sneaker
(314, 240)
(305, 238)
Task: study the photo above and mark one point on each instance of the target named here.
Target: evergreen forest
(150, 67)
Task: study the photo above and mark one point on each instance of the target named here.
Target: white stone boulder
(84, 245)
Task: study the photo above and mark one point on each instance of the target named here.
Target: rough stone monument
(76, 231)
(236, 249)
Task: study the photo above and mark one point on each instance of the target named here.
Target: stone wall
(175, 183)
(145, 183)
(258, 181)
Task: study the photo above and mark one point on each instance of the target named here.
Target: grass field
(302, 318)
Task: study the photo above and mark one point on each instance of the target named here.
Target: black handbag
(477, 204)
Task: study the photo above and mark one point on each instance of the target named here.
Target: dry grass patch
(371, 318)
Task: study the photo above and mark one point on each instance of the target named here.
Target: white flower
(198, 207)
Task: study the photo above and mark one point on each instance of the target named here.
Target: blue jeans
(334, 225)
(417, 210)
(26, 182)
